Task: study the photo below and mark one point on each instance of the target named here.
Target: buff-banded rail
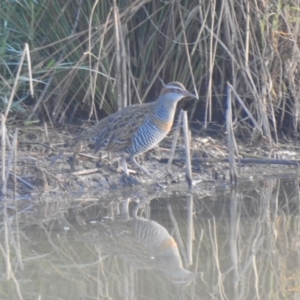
(138, 128)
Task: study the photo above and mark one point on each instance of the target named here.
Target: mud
(46, 169)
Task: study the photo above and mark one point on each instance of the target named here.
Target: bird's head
(174, 91)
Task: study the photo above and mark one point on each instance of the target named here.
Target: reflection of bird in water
(145, 244)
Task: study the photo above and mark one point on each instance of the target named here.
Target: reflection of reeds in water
(145, 244)
(245, 242)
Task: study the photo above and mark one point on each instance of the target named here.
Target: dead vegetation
(71, 60)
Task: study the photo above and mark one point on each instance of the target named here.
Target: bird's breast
(163, 125)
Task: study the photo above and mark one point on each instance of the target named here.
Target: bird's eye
(177, 91)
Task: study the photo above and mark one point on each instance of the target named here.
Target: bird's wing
(115, 132)
(119, 132)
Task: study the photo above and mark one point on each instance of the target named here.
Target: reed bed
(67, 59)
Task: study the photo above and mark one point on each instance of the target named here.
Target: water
(240, 243)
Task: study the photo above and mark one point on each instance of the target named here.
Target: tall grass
(88, 57)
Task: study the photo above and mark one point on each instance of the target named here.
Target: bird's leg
(124, 164)
(126, 178)
(132, 158)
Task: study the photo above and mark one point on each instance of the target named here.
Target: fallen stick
(263, 161)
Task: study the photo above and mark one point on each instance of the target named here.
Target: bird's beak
(188, 94)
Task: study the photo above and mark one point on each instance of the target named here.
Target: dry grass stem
(189, 175)
(215, 250)
(174, 141)
(245, 108)
(178, 235)
(118, 68)
(15, 153)
(190, 229)
(232, 148)
(16, 82)
(3, 159)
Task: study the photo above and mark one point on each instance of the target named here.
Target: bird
(137, 128)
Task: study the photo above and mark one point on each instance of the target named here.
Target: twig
(190, 229)
(14, 89)
(21, 179)
(46, 132)
(86, 172)
(14, 157)
(174, 142)
(187, 49)
(123, 65)
(232, 148)
(258, 127)
(177, 234)
(262, 161)
(3, 140)
(15, 168)
(118, 55)
(189, 176)
(6, 250)
(29, 69)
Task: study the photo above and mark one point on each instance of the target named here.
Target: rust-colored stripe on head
(164, 91)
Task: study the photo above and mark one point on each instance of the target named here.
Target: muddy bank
(45, 168)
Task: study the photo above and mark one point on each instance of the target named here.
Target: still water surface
(240, 243)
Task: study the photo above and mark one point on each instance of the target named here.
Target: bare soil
(46, 169)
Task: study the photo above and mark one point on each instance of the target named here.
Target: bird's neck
(165, 109)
